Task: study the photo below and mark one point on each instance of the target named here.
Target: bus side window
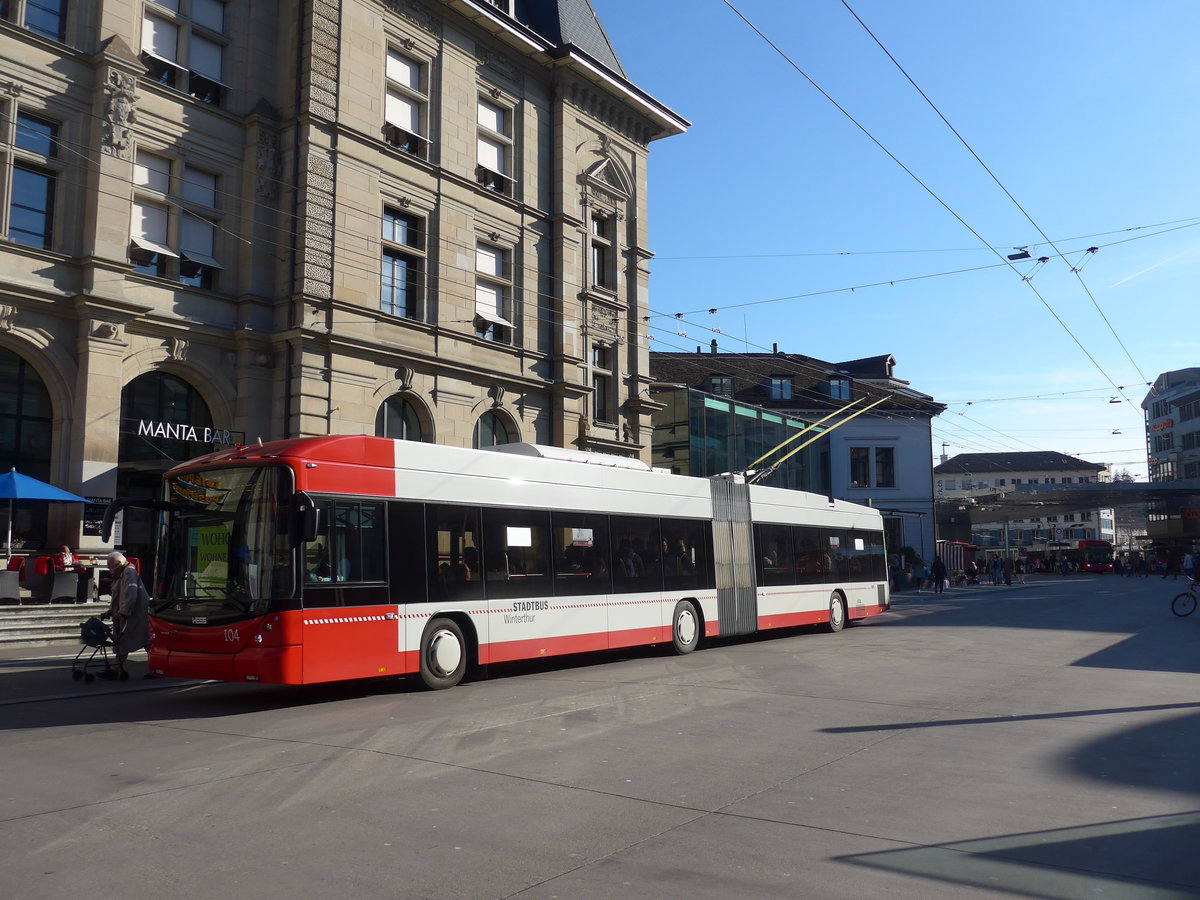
(452, 535)
(580, 549)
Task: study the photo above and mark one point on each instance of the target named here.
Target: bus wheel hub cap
(445, 652)
(686, 629)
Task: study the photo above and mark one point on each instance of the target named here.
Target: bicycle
(1185, 603)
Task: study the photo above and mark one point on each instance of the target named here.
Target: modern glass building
(700, 434)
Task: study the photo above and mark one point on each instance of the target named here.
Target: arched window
(490, 430)
(399, 418)
(25, 436)
(25, 418)
(163, 420)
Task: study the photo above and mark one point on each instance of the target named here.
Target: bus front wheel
(837, 613)
(685, 627)
(443, 654)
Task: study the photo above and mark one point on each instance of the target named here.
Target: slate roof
(752, 374)
(1033, 461)
(570, 23)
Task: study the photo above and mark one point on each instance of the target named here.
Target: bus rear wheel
(837, 613)
(443, 654)
(685, 627)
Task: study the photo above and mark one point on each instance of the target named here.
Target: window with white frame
(602, 384)
(173, 227)
(603, 250)
(30, 156)
(838, 388)
(183, 46)
(493, 293)
(406, 104)
(45, 17)
(402, 278)
(494, 147)
(779, 387)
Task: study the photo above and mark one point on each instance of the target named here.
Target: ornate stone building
(230, 221)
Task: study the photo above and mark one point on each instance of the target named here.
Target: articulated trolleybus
(323, 559)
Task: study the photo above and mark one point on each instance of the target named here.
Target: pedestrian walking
(938, 571)
(130, 608)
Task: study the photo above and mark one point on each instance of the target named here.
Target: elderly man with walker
(129, 610)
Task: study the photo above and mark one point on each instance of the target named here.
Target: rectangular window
(493, 285)
(516, 553)
(860, 468)
(885, 467)
(580, 548)
(637, 554)
(37, 135)
(773, 549)
(183, 47)
(45, 17)
(405, 104)
(453, 536)
(174, 227)
(602, 382)
(31, 207)
(603, 255)
(838, 388)
(721, 384)
(403, 270)
(780, 387)
(198, 266)
(494, 147)
(880, 462)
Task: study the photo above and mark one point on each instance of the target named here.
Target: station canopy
(1030, 501)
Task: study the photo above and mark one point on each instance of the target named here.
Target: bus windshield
(226, 553)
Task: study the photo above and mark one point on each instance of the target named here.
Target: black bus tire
(685, 627)
(443, 654)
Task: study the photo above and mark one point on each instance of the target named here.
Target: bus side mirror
(310, 522)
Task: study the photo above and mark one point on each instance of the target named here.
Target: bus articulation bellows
(324, 559)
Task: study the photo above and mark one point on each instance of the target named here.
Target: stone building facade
(227, 222)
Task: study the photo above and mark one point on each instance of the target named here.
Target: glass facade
(698, 434)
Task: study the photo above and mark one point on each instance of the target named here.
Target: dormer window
(838, 388)
(780, 387)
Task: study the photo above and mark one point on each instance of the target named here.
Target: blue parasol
(15, 486)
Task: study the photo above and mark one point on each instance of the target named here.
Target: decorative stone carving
(404, 374)
(8, 316)
(268, 165)
(604, 109)
(413, 12)
(106, 331)
(603, 321)
(119, 114)
(496, 392)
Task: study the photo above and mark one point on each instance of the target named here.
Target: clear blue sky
(1084, 111)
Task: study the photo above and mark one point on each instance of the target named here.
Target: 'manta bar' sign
(181, 431)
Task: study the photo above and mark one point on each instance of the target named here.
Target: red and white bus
(323, 559)
(1096, 556)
